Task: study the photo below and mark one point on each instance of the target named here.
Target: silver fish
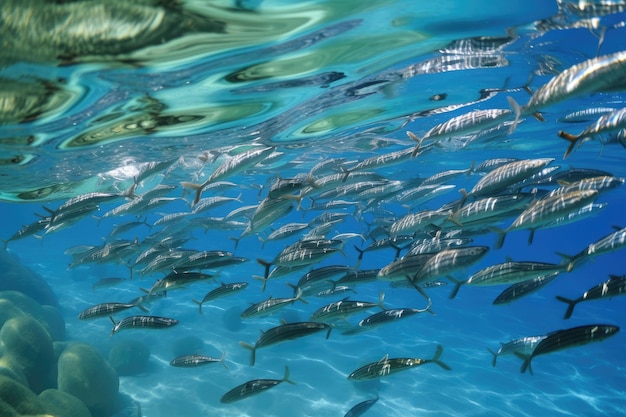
(284, 332)
(253, 387)
(523, 345)
(388, 366)
(221, 291)
(142, 322)
(193, 361)
(614, 286)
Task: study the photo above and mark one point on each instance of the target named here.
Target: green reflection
(340, 120)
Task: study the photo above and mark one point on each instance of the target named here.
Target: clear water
(322, 80)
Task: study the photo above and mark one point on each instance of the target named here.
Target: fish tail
(361, 252)
(236, 240)
(330, 329)
(295, 288)
(573, 140)
(346, 173)
(266, 265)
(419, 143)
(457, 286)
(381, 299)
(495, 356)
(222, 360)
(436, 360)
(199, 305)
(141, 307)
(517, 110)
(398, 249)
(501, 235)
(571, 259)
(264, 279)
(114, 325)
(252, 350)
(570, 306)
(299, 296)
(286, 377)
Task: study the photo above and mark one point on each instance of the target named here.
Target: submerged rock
(27, 343)
(85, 374)
(62, 404)
(17, 277)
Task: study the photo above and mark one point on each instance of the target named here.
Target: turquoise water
(315, 80)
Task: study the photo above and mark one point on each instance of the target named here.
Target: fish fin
(495, 356)
(526, 364)
(416, 139)
(457, 286)
(501, 235)
(330, 329)
(573, 140)
(570, 306)
(266, 265)
(517, 111)
(236, 240)
(141, 307)
(539, 116)
(262, 279)
(361, 252)
(286, 377)
(531, 236)
(199, 305)
(381, 299)
(436, 360)
(570, 260)
(299, 297)
(252, 350)
(294, 287)
(222, 360)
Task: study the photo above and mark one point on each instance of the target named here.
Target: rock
(62, 404)
(26, 342)
(85, 374)
(16, 399)
(17, 277)
(47, 316)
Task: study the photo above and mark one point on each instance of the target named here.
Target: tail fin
(517, 110)
(419, 143)
(573, 140)
(196, 187)
(381, 299)
(526, 364)
(570, 308)
(264, 279)
(457, 286)
(361, 252)
(501, 235)
(286, 377)
(252, 350)
(222, 360)
(436, 360)
(266, 265)
(298, 297)
(199, 305)
(495, 356)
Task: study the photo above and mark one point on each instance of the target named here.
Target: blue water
(322, 80)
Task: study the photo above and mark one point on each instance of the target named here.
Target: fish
(271, 305)
(283, 332)
(471, 122)
(545, 211)
(387, 316)
(388, 366)
(611, 122)
(222, 291)
(408, 265)
(343, 308)
(421, 221)
(601, 74)
(176, 280)
(232, 166)
(378, 161)
(524, 288)
(142, 322)
(507, 175)
(320, 278)
(448, 261)
(523, 345)
(361, 408)
(193, 361)
(614, 286)
(107, 309)
(254, 387)
(511, 272)
(568, 338)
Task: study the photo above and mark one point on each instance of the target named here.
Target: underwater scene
(324, 208)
